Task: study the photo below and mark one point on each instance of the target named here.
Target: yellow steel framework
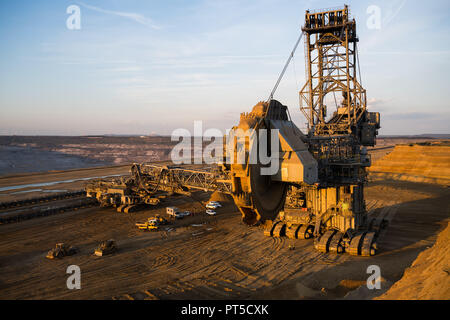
(331, 60)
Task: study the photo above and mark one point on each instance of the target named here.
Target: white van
(174, 212)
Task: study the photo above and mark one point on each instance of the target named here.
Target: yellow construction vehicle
(61, 250)
(160, 220)
(105, 248)
(152, 223)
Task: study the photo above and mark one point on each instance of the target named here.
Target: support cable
(285, 67)
(359, 66)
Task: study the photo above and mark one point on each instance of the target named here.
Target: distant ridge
(422, 136)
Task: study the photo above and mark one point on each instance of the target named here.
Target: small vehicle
(174, 212)
(186, 213)
(159, 220)
(150, 225)
(216, 203)
(106, 247)
(211, 212)
(212, 205)
(61, 250)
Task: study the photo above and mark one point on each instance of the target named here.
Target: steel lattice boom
(330, 51)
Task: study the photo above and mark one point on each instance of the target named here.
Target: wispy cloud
(139, 18)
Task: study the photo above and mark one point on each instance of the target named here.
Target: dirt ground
(204, 257)
(428, 277)
(220, 259)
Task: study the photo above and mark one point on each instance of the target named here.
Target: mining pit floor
(205, 257)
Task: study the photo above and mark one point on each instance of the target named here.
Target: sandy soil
(221, 259)
(415, 162)
(428, 277)
(205, 257)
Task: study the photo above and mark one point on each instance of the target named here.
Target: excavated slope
(429, 275)
(415, 163)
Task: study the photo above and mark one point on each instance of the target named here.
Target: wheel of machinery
(267, 197)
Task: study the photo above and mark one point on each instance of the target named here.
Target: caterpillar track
(16, 211)
(43, 199)
(362, 243)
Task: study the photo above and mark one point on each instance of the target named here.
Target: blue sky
(141, 67)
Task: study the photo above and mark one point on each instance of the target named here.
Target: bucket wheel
(265, 200)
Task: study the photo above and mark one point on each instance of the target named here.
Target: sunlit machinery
(317, 190)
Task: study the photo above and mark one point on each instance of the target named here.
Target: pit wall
(415, 163)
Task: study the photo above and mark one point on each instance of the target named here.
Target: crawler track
(37, 200)
(16, 211)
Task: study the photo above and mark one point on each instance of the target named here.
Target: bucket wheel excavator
(318, 189)
(315, 188)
